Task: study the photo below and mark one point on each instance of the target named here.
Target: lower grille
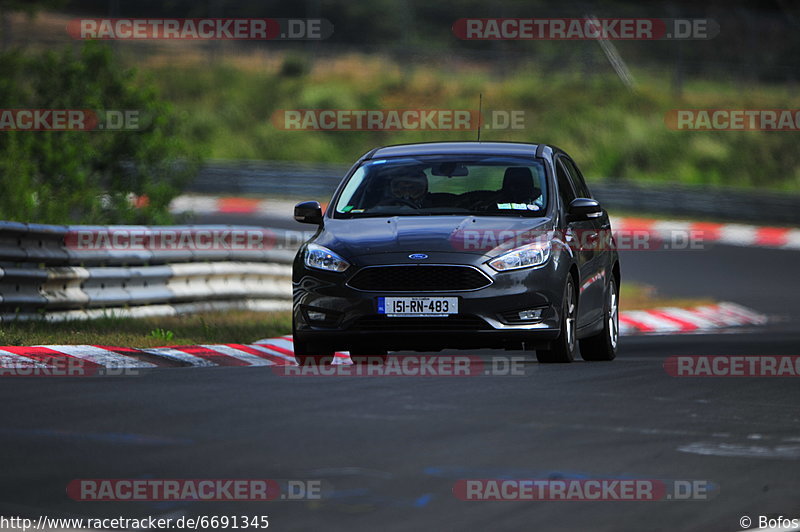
(450, 323)
(422, 278)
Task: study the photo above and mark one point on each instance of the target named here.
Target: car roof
(473, 148)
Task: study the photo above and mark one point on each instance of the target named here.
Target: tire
(563, 348)
(603, 345)
(365, 356)
(307, 354)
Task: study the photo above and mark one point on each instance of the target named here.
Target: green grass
(611, 131)
(240, 327)
(210, 328)
(634, 296)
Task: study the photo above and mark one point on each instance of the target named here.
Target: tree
(88, 176)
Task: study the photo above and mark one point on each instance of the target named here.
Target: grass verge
(239, 327)
(634, 296)
(228, 110)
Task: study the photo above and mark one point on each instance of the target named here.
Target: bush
(295, 66)
(88, 176)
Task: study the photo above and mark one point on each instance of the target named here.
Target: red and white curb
(231, 205)
(280, 351)
(702, 319)
(268, 352)
(700, 232)
(722, 233)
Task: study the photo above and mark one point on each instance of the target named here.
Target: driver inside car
(410, 190)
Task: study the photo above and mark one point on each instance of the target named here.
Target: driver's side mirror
(308, 212)
(583, 209)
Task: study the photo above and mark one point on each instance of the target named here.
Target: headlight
(322, 258)
(526, 256)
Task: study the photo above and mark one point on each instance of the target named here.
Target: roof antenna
(480, 115)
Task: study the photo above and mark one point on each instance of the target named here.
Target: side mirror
(308, 212)
(583, 209)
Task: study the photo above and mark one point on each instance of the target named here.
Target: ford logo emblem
(418, 256)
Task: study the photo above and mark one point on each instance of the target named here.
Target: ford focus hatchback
(460, 245)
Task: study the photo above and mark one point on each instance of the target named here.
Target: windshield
(432, 185)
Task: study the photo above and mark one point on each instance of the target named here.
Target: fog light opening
(531, 314)
(320, 317)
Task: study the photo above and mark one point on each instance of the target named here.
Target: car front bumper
(333, 316)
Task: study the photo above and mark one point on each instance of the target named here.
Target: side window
(577, 178)
(565, 189)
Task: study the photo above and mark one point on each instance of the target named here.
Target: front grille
(422, 278)
(449, 323)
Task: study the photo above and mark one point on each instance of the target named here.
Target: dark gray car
(458, 245)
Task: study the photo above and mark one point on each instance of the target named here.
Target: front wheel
(563, 348)
(603, 345)
(307, 354)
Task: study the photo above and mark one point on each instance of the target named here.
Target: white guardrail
(57, 273)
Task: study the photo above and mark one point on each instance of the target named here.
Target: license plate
(422, 307)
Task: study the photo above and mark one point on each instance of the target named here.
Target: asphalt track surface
(389, 450)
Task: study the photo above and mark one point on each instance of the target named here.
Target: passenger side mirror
(308, 212)
(583, 209)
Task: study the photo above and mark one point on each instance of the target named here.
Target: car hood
(420, 234)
